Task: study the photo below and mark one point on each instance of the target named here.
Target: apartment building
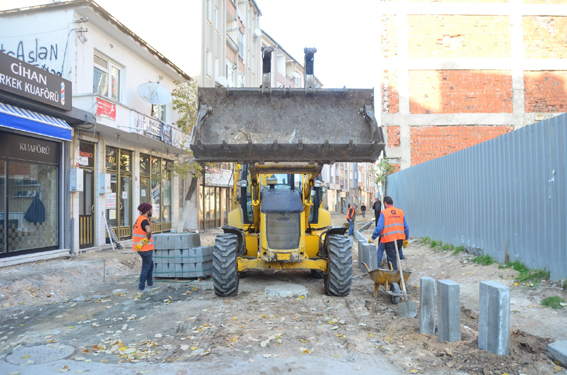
(457, 73)
(109, 165)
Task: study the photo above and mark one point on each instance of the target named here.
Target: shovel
(406, 309)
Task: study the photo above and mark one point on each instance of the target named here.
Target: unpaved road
(183, 328)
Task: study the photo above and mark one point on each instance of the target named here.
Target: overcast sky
(344, 33)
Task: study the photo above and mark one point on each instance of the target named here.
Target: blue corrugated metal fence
(505, 197)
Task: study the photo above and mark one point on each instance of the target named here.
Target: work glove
(370, 240)
(406, 244)
(141, 243)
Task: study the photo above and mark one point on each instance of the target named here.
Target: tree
(185, 102)
(381, 171)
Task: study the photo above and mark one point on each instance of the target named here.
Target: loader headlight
(318, 183)
(242, 183)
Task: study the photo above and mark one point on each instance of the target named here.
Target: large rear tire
(225, 265)
(339, 270)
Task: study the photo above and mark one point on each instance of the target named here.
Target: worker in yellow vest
(392, 226)
(143, 243)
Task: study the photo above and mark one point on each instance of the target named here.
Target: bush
(448, 247)
(425, 240)
(458, 249)
(433, 244)
(484, 260)
(527, 275)
(553, 302)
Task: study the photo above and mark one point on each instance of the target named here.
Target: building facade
(124, 156)
(458, 73)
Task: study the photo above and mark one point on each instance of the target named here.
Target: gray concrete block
(494, 318)
(189, 270)
(200, 254)
(448, 311)
(162, 241)
(557, 351)
(178, 270)
(367, 254)
(166, 271)
(163, 256)
(179, 258)
(427, 306)
(190, 240)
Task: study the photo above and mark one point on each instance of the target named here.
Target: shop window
(155, 188)
(118, 202)
(29, 196)
(106, 78)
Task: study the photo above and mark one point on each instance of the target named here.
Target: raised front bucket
(246, 125)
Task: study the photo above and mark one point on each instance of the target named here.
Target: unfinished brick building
(459, 72)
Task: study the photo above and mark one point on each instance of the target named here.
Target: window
(106, 78)
(229, 73)
(216, 18)
(240, 44)
(208, 9)
(208, 63)
(217, 73)
(159, 112)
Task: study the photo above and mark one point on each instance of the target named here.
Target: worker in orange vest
(350, 216)
(143, 243)
(392, 226)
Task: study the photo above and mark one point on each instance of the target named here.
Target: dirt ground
(90, 302)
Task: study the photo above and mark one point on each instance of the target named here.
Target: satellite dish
(258, 33)
(154, 93)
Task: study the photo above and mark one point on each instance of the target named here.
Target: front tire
(339, 266)
(225, 265)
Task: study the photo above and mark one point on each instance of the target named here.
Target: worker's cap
(144, 207)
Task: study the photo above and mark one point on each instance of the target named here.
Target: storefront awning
(33, 122)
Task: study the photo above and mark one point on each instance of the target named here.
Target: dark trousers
(147, 269)
(377, 216)
(391, 252)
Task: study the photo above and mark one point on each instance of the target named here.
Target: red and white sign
(104, 108)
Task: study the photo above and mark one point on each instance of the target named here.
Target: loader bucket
(292, 125)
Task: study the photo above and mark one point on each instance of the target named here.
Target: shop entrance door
(86, 211)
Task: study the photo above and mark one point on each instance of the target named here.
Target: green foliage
(564, 284)
(484, 260)
(527, 275)
(447, 247)
(185, 102)
(458, 249)
(382, 170)
(425, 240)
(553, 302)
(433, 244)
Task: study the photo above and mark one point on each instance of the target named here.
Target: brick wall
(460, 91)
(545, 91)
(459, 36)
(544, 37)
(430, 142)
(393, 136)
(390, 94)
(389, 38)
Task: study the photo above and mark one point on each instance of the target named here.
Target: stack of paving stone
(180, 255)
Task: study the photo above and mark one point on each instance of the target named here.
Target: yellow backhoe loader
(280, 138)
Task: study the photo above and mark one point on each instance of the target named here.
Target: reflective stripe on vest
(393, 224)
(139, 234)
(350, 213)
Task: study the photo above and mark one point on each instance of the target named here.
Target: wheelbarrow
(390, 280)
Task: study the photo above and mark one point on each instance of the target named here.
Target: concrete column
(427, 306)
(494, 318)
(448, 311)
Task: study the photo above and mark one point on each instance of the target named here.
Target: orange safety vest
(140, 234)
(393, 224)
(350, 213)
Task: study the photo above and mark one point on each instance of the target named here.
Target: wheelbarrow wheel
(395, 288)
